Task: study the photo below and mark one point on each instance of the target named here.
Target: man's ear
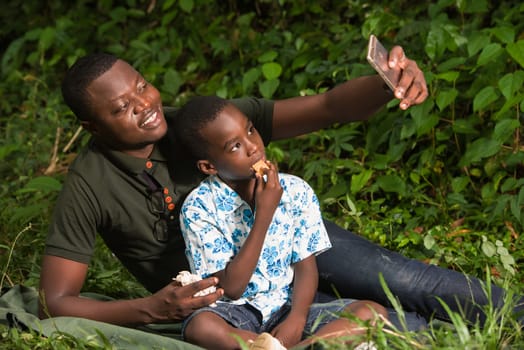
(206, 167)
(89, 126)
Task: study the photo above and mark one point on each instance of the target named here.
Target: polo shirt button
(169, 199)
(171, 206)
(149, 164)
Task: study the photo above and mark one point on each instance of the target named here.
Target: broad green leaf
(449, 76)
(167, 4)
(409, 128)
(473, 6)
(268, 56)
(488, 192)
(268, 87)
(510, 83)
(504, 129)
(271, 70)
(447, 66)
(429, 242)
(484, 98)
(508, 105)
(479, 149)
(509, 185)
(435, 42)
(47, 37)
(507, 259)
(464, 126)
(425, 123)
(6, 150)
(489, 53)
(392, 183)
(301, 60)
(249, 78)
(118, 14)
(44, 184)
(476, 42)
(172, 81)
(504, 33)
(187, 5)
(358, 181)
(516, 51)
(28, 212)
(459, 184)
(488, 248)
(446, 97)
(423, 118)
(516, 208)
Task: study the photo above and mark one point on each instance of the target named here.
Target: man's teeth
(149, 119)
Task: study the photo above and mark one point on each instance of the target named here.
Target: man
(128, 183)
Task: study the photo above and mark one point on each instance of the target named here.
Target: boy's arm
(237, 274)
(305, 283)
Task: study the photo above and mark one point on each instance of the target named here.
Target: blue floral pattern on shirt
(216, 221)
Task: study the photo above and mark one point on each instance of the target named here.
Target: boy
(259, 235)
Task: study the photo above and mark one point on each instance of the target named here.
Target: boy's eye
(235, 147)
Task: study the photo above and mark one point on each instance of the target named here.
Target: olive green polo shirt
(129, 200)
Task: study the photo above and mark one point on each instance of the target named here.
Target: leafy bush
(440, 182)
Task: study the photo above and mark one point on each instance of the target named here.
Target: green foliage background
(441, 182)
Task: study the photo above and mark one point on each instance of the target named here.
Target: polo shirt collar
(129, 163)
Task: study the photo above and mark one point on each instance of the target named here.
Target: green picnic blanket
(19, 308)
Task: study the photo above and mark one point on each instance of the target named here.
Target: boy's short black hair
(194, 116)
(78, 77)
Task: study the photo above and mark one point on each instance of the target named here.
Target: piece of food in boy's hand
(259, 167)
(186, 277)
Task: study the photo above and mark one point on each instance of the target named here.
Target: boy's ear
(206, 167)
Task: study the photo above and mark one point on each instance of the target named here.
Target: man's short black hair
(194, 116)
(78, 77)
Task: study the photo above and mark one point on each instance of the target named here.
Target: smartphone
(378, 58)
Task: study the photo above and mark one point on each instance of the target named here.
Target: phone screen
(378, 58)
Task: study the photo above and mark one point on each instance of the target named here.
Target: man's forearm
(355, 100)
(119, 312)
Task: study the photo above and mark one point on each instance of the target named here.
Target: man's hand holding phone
(401, 74)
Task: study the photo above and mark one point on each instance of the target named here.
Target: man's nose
(142, 103)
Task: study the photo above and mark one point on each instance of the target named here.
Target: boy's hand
(289, 332)
(269, 192)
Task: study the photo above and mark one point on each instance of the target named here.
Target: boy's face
(234, 145)
(128, 110)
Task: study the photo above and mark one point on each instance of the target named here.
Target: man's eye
(142, 86)
(121, 108)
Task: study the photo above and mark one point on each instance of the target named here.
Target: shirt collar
(220, 188)
(129, 163)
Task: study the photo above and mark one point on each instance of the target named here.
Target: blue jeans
(248, 318)
(352, 268)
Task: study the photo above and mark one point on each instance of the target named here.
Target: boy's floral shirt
(215, 223)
